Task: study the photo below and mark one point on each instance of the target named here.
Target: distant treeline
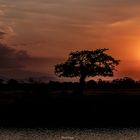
(125, 82)
(32, 84)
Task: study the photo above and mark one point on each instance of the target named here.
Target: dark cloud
(10, 58)
(15, 64)
(2, 35)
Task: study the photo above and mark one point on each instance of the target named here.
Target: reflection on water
(69, 134)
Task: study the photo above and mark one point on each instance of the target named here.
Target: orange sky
(49, 29)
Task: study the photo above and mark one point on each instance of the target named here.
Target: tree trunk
(82, 84)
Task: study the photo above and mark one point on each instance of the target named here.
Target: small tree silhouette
(87, 63)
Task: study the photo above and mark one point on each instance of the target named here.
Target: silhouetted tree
(87, 63)
(127, 82)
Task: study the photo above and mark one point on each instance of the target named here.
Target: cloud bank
(14, 64)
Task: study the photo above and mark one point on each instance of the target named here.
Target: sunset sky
(37, 34)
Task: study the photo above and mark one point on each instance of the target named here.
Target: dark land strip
(75, 111)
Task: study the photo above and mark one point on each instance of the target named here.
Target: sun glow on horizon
(135, 51)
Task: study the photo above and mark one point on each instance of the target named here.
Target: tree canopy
(87, 63)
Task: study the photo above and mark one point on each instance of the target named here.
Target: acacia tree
(87, 63)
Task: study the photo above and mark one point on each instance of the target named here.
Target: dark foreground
(87, 111)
